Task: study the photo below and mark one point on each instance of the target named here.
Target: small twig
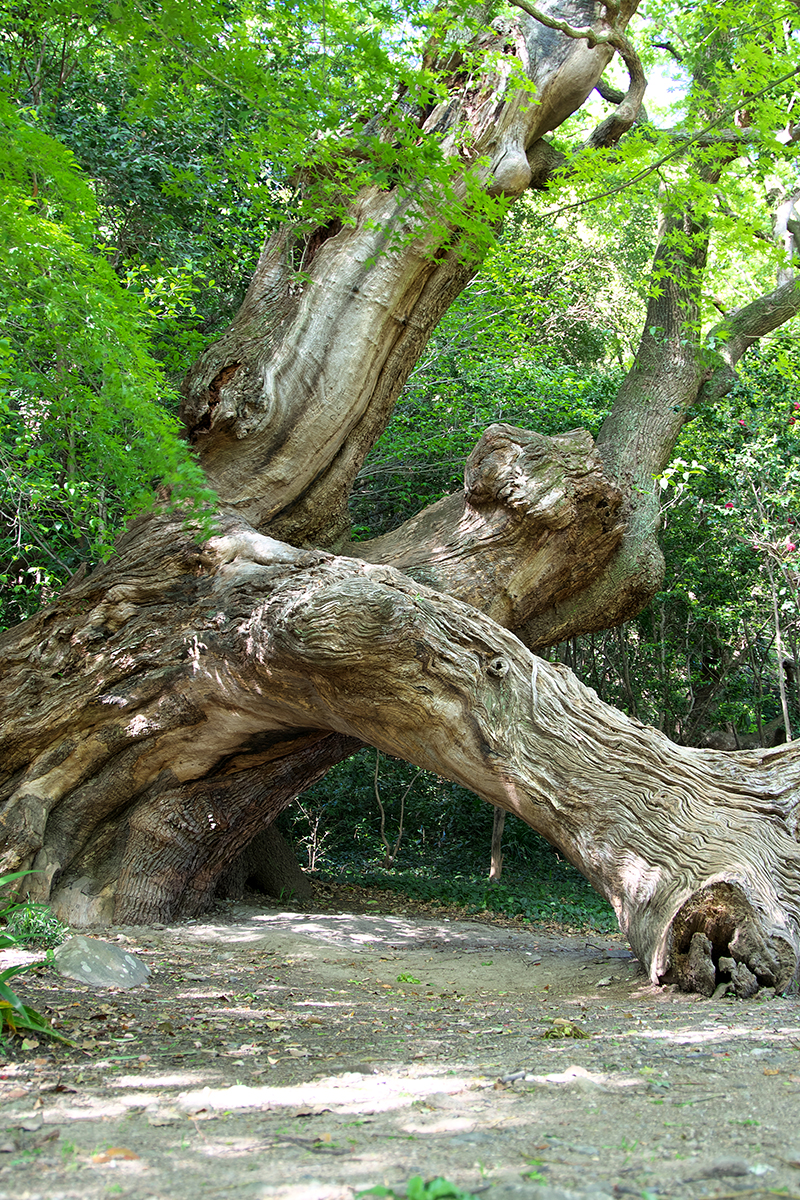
(380, 803)
(198, 1129)
(314, 1145)
(391, 854)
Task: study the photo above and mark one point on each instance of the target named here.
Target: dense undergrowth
(443, 855)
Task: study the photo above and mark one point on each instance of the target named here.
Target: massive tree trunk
(160, 722)
(165, 709)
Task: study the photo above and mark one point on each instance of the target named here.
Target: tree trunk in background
(163, 711)
(498, 824)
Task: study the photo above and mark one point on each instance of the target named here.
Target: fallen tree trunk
(273, 650)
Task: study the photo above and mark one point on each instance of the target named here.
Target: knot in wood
(499, 667)
(529, 474)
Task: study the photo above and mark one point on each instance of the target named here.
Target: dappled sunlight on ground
(288, 1056)
(372, 1093)
(356, 931)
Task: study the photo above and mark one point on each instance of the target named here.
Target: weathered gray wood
(269, 639)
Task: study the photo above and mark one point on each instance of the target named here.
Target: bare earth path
(308, 1055)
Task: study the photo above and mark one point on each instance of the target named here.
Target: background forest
(117, 269)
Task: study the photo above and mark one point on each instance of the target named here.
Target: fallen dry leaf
(114, 1152)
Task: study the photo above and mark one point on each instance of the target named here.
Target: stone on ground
(96, 962)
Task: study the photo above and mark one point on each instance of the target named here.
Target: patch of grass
(34, 926)
(419, 1189)
(569, 901)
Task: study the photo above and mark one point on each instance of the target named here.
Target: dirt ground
(307, 1055)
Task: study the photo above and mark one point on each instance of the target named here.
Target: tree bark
(498, 825)
(269, 641)
(284, 408)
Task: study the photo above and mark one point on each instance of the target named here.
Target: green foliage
(7, 939)
(34, 925)
(419, 1189)
(703, 655)
(444, 853)
(15, 1016)
(143, 155)
(84, 435)
(721, 73)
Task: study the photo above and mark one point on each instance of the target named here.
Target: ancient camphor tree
(169, 705)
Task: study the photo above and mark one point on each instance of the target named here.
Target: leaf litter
(390, 1037)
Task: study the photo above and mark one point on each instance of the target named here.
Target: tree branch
(740, 329)
(611, 130)
(668, 46)
(590, 32)
(535, 522)
(607, 91)
(691, 139)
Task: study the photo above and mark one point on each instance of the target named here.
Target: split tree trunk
(164, 710)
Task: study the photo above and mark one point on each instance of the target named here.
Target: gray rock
(94, 961)
(729, 1165)
(720, 1167)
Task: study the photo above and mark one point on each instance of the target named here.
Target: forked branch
(604, 33)
(391, 852)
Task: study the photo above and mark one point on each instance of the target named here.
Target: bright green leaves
(294, 83)
(84, 435)
(725, 154)
(730, 537)
(418, 1188)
